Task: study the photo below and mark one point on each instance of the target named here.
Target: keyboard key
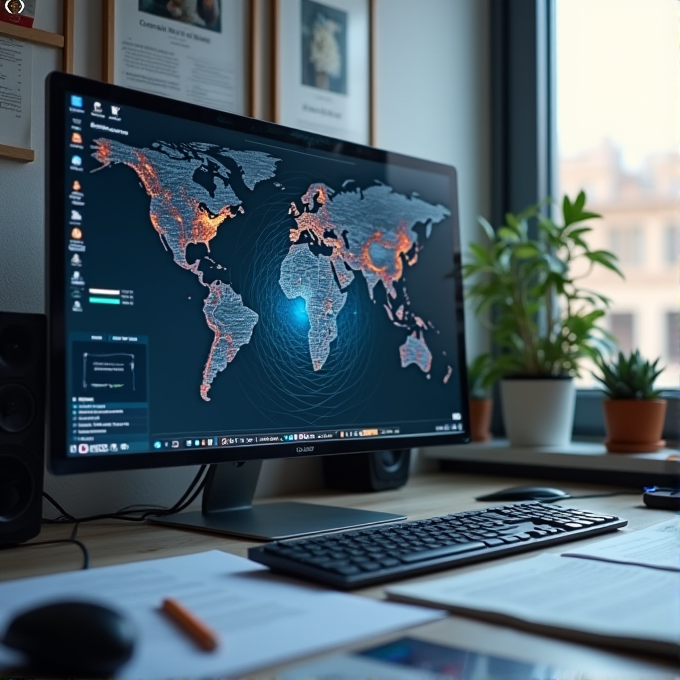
(442, 552)
(490, 542)
(370, 566)
(390, 562)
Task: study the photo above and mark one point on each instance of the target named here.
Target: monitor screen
(226, 289)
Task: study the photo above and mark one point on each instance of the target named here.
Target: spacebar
(442, 552)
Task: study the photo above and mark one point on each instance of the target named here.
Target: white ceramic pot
(538, 411)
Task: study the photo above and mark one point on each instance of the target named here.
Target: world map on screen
(334, 234)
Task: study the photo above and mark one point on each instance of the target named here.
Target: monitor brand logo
(304, 449)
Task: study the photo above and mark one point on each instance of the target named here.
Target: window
(671, 244)
(568, 79)
(622, 327)
(617, 89)
(672, 337)
(628, 244)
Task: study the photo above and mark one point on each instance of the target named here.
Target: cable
(83, 548)
(128, 513)
(594, 495)
(193, 490)
(140, 507)
(63, 512)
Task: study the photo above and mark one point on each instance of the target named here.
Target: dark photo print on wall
(203, 13)
(324, 47)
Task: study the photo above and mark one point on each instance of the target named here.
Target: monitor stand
(228, 509)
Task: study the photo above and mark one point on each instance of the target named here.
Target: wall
(432, 101)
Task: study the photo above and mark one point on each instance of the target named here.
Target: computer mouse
(72, 638)
(525, 493)
(662, 498)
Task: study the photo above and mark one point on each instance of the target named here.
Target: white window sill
(576, 457)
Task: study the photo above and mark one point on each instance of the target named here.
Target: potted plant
(480, 378)
(543, 320)
(633, 413)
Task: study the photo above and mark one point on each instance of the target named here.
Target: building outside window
(618, 133)
(671, 247)
(628, 244)
(672, 337)
(622, 327)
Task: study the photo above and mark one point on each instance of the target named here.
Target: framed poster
(322, 68)
(192, 50)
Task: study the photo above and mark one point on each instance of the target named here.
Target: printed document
(260, 620)
(657, 546)
(587, 600)
(15, 92)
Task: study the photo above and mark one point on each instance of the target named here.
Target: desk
(115, 542)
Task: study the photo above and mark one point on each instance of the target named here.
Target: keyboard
(390, 552)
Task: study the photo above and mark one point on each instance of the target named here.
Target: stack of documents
(259, 619)
(624, 591)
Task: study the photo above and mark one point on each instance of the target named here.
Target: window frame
(524, 145)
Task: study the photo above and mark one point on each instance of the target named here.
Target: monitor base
(227, 508)
(276, 521)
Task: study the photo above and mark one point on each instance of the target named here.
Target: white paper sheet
(655, 546)
(626, 605)
(261, 620)
(179, 55)
(15, 92)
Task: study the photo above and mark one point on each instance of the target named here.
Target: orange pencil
(195, 629)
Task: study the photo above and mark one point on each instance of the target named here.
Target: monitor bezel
(58, 84)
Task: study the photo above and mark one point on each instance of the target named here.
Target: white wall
(432, 101)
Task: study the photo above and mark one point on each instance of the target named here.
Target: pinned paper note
(15, 92)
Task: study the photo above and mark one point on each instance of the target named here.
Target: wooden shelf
(33, 35)
(17, 153)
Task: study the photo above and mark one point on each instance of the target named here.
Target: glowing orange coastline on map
(203, 226)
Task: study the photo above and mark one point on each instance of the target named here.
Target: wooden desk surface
(115, 542)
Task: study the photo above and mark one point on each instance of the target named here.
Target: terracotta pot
(634, 425)
(480, 419)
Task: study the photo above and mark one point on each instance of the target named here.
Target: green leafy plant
(543, 320)
(629, 377)
(481, 376)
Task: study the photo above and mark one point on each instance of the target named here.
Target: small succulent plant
(629, 377)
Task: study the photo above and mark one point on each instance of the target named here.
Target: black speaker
(374, 471)
(22, 424)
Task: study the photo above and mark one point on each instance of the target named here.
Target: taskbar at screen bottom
(193, 442)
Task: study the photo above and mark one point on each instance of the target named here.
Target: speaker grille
(22, 424)
(17, 408)
(17, 486)
(393, 459)
(375, 471)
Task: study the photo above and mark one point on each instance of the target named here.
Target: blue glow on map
(300, 311)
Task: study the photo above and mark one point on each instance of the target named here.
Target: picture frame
(198, 51)
(323, 63)
(36, 36)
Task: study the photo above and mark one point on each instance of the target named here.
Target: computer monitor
(225, 290)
